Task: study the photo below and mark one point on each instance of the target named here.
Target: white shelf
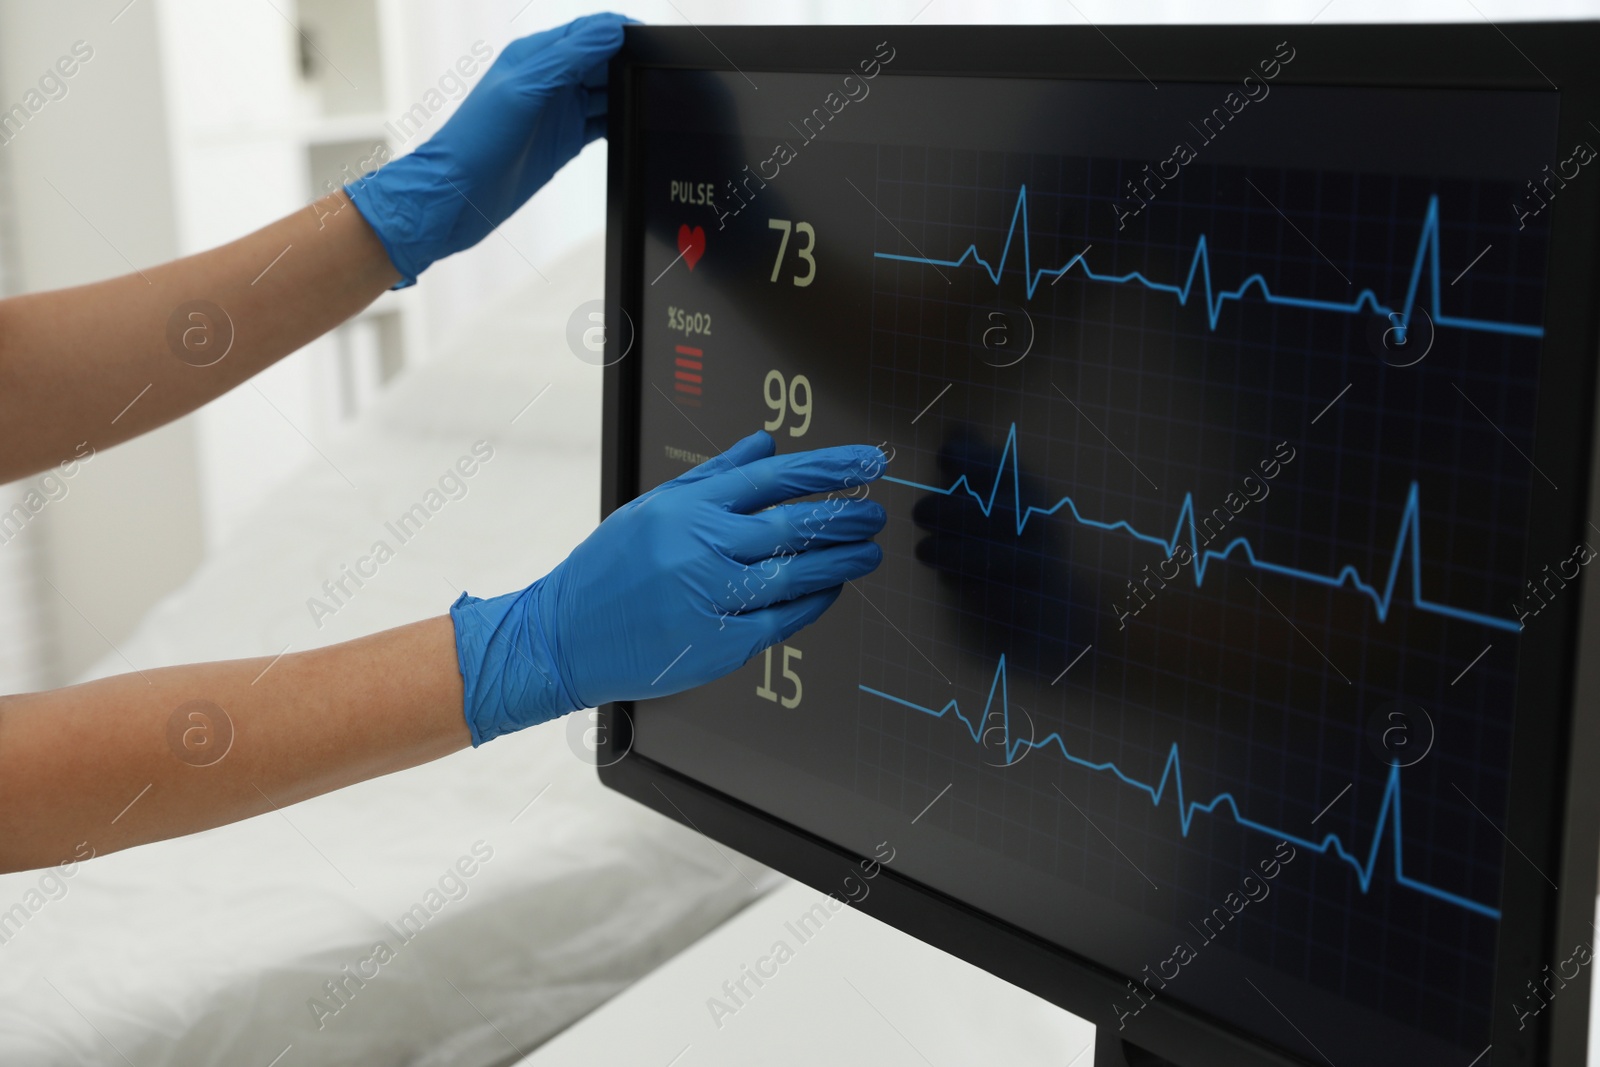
(304, 131)
(335, 128)
(264, 103)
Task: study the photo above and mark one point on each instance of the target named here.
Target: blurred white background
(196, 121)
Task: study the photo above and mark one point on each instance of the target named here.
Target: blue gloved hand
(537, 105)
(675, 588)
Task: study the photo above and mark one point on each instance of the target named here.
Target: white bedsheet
(212, 949)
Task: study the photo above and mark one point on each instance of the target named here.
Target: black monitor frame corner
(1553, 813)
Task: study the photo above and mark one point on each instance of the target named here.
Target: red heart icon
(691, 244)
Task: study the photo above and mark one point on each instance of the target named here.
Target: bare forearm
(73, 360)
(125, 760)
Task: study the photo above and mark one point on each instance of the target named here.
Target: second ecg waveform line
(1408, 540)
(1427, 253)
(1172, 773)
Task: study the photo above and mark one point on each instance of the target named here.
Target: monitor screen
(1209, 409)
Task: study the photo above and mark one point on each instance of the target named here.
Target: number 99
(783, 397)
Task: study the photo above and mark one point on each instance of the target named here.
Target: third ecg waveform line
(1200, 264)
(1408, 541)
(1172, 772)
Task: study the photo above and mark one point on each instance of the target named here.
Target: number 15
(765, 690)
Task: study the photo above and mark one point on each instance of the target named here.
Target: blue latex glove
(536, 106)
(675, 588)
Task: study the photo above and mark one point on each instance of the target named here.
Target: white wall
(233, 100)
(93, 194)
(25, 654)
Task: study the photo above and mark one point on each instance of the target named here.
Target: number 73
(804, 230)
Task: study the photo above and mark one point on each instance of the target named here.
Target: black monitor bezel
(1553, 811)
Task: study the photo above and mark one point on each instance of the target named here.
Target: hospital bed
(219, 948)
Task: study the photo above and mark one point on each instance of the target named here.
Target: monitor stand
(1111, 1051)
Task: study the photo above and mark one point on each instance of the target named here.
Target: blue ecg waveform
(1427, 250)
(1172, 772)
(1407, 541)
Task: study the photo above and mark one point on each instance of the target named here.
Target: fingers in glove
(595, 102)
(786, 577)
(790, 528)
(757, 446)
(769, 626)
(779, 478)
(562, 57)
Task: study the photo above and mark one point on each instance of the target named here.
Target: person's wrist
(407, 212)
(375, 265)
(510, 678)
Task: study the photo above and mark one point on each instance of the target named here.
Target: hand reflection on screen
(1013, 590)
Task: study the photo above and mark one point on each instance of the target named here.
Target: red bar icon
(688, 378)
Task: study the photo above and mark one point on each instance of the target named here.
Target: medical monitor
(1222, 681)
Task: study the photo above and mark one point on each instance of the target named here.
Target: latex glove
(673, 589)
(536, 106)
